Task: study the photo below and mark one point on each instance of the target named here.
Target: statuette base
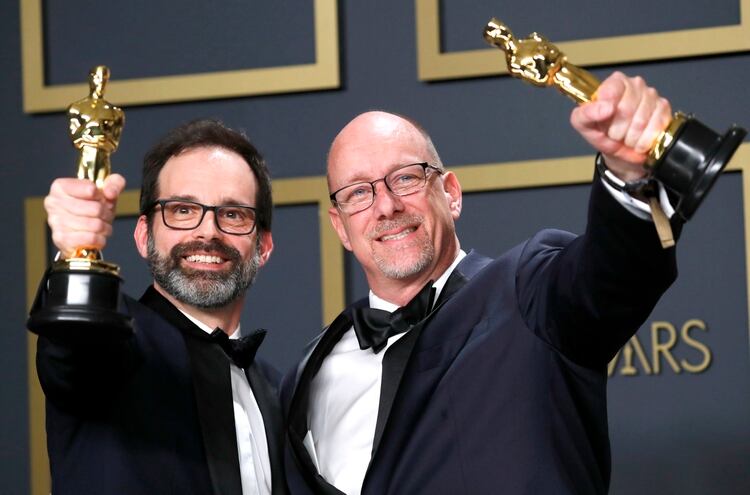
(79, 304)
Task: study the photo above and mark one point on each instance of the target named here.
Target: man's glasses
(179, 214)
(401, 182)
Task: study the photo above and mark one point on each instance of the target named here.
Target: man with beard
(460, 373)
(181, 405)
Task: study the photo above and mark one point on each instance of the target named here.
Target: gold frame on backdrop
(313, 190)
(322, 74)
(433, 65)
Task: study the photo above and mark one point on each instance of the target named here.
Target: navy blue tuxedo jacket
(148, 415)
(502, 389)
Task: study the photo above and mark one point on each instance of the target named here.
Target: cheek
(162, 246)
(441, 226)
(245, 246)
(165, 240)
(355, 230)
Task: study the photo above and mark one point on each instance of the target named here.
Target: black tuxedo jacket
(502, 389)
(151, 413)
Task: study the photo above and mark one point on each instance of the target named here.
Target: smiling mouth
(398, 235)
(204, 258)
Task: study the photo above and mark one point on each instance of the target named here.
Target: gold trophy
(81, 293)
(686, 158)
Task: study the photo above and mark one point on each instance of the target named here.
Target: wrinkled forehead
(371, 146)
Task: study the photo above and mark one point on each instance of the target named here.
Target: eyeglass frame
(425, 166)
(204, 208)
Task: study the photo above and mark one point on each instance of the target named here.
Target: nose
(385, 203)
(207, 228)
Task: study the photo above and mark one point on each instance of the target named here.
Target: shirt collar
(378, 303)
(209, 330)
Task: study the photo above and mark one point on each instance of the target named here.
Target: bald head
(373, 136)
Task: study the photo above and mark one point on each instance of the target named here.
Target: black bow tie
(373, 327)
(241, 351)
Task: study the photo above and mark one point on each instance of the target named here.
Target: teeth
(202, 258)
(398, 236)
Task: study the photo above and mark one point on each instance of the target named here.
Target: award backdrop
(293, 73)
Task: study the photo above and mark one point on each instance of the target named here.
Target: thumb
(592, 116)
(598, 111)
(113, 186)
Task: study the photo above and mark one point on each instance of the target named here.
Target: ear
(338, 225)
(266, 247)
(453, 195)
(140, 235)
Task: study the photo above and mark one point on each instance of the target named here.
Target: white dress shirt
(344, 399)
(252, 445)
(637, 207)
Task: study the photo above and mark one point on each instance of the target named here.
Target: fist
(623, 123)
(79, 214)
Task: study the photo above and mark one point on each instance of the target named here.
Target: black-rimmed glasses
(180, 214)
(402, 181)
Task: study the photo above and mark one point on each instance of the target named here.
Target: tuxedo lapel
(213, 396)
(434, 337)
(398, 355)
(307, 354)
(300, 403)
(394, 365)
(455, 281)
(269, 407)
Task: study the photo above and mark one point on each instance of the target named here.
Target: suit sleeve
(587, 295)
(83, 375)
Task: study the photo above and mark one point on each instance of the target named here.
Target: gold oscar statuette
(686, 158)
(81, 294)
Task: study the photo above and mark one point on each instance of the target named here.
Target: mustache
(396, 223)
(213, 246)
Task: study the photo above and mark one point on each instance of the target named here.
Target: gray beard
(202, 289)
(395, 269)
(398, 272)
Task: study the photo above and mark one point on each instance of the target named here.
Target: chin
(401, 268)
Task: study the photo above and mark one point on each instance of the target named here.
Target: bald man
(460, 373)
